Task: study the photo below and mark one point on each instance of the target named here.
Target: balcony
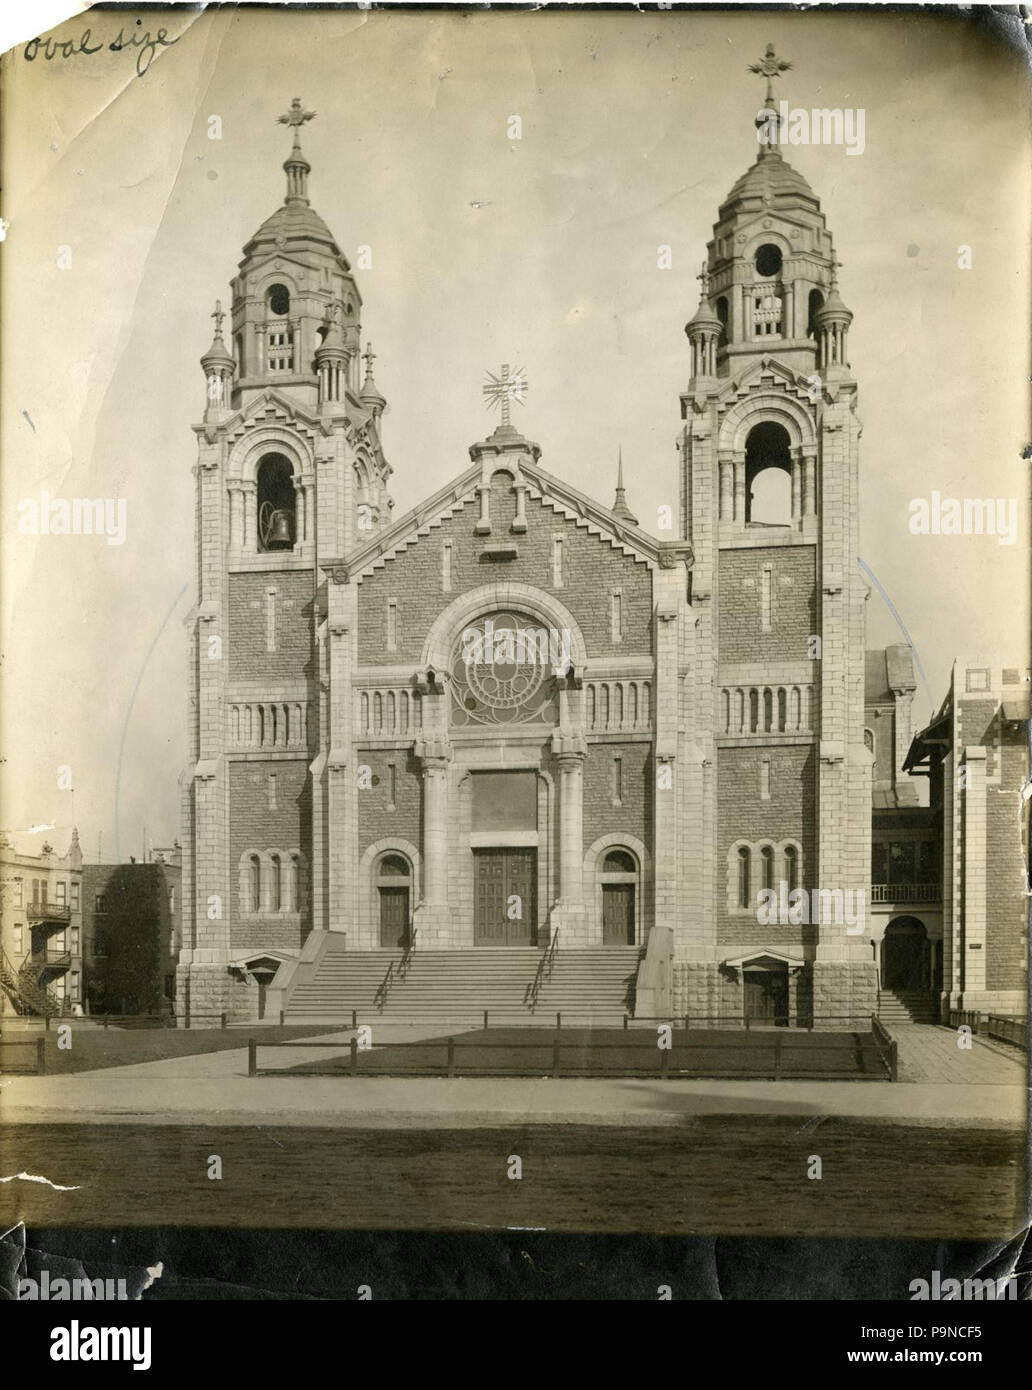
(58, 913)
(52, 957)
(906, 892)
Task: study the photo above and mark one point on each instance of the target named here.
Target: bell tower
(291, 474)
(769, 500)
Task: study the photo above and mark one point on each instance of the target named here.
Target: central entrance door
(506, 897)
(618, 914)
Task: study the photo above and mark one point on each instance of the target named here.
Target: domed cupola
(769, 263)
(832, 322)
(370, 395)
(293, 274)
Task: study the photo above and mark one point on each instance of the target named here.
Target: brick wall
(1006, 918)
(592, 570)
(793, 604)
(634, 815)
(742, 815)
(254, 826)
(249, 657)
(375, 820)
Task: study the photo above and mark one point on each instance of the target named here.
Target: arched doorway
(905, 955)
(394, 891)
(619, 879)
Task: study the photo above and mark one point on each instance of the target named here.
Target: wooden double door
(505, 897)
(766, 996)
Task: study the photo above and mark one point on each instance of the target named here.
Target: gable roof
(567, 501)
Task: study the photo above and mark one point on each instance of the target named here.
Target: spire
(768, 122)
(370, 392)
(297, 166)
(218, 352)
(620, 507)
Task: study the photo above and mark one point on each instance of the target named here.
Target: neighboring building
(41, 966)
(905, 919)
(362, 770)
(975, 753)
(130, 931)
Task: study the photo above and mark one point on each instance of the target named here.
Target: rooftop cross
(500, 390)
(369, 357)
(772, 66)
(296, 118)
(218, 316)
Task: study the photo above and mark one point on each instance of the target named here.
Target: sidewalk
(214, 1089)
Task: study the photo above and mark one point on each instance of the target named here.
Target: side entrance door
(394, 917)
(618, 914)
(506, 897)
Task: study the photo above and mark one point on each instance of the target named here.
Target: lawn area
(93, 1048)
(768, 1053)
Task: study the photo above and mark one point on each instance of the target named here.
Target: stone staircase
(907, 1006)
(459, 985)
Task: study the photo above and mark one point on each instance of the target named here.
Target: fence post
(686, 1023)
(41, 1057)
(625, 1023)
(46, 1020)
(451, 1056)
(222, 1020)
(558, 1020)
(777, 1056)
(555, 1056)
(187, 1009)
(281, 1014)
(252, 1057)
(747, 1023)
(354, 1018)
(664, 1063)
(485, 1020)
(894, 1061)
(354, 1056)
(105, 1022)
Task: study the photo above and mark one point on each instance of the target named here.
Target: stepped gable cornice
(559, 497)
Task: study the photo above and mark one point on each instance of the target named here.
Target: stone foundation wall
(845, 994)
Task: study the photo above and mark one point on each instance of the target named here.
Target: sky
(126, 222)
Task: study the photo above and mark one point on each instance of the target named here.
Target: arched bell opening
(768, 476)
(277, 504)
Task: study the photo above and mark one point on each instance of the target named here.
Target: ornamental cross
(500, 390)
(218, 316)
(296, 118)
(772, 66)
(369, 357)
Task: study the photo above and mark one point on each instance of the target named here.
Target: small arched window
(791, 867)
(744, 876)
(768, 261)
(767, 866)
(254, 883)
(722, 312)
(814, 305)
(278, 300)
(275, 883)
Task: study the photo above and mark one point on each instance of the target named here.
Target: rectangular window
(270, 619)
(18, 940)
(765, 599)
(43, 892)
(977, 680)
(35, 890)
(765, 780)
(557, 562)
(75, 897)
(98, 903)
(446, 549)
(61, 893)
(73, 984)
(75, 941)
(272, 791)
(616, 617)
(392, 624)
(17, 892)
(392, 786)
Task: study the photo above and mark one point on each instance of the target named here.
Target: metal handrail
(407, 954)
(380, 997)
(543, 972)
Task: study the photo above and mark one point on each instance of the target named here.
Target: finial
(369, 357)
(772, 66)
(218, 316)
(500, 390)
(834, 274)
(620, 507)
(296, 118)
(703, 278)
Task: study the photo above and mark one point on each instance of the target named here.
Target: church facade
(511, 720)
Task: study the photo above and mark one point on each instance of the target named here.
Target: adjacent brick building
(131, 934)
(41, 956)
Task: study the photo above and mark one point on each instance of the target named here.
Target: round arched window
(768, 260)
(279, 300)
